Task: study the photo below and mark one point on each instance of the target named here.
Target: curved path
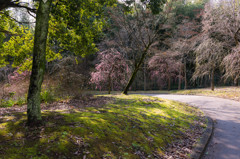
(225, 143)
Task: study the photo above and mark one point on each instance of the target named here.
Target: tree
(111, 72)
(223, 22)
(231, 65)
(185, 49)
(4, 13)
(220, 36)
(136, 31)
(185, 19)
(165, 67)
(72, 15)
(38, 66)
(76, 25)
(209, 55)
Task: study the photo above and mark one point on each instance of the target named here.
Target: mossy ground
(126, 127)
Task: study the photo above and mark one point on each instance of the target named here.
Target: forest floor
(109, 126)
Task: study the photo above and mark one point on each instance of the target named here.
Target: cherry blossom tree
(164, 67)
(112, 71)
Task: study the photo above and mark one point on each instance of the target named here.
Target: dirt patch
(180, 149)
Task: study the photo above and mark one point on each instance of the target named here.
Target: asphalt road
(225, 143)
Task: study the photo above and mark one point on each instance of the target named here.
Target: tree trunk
(185, 74)
(212, 80)
(38, 66)
(136, 70)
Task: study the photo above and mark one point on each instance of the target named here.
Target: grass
(222, 92)
(229, 92)
(118, 129)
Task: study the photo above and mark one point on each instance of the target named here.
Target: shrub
(7, 103)
(47, 96)
(21, 101)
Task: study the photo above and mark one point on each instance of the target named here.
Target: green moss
(118, 129)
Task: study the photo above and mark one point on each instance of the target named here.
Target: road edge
(200, 147)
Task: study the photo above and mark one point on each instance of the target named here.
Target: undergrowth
(46, 95)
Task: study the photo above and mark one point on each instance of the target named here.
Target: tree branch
(4, 4)
(16, 19)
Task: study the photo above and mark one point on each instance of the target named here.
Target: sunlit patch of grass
(120, 128)
(222, 92)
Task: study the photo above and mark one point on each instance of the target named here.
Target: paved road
(225, 143)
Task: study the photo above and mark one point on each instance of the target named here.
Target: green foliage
(5, 28)
(7, 103)
(12, 101)
(76, 25)
(21, 101)
(47, 96)
(186, 11)
(20, 47)
(11, 94)
(156, 5)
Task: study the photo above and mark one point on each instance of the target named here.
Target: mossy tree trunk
(136, 69)
(38, 66)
